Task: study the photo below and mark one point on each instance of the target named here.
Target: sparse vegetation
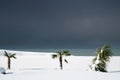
(9, 56)
(103, 56)
(60, 55)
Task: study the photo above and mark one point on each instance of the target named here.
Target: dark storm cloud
(59, 22)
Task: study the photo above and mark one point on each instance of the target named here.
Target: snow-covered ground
(41, 66)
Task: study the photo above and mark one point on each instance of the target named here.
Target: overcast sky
(59, 23)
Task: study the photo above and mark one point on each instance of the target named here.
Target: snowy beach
(41, 66)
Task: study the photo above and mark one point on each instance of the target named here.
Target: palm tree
(103, 56)
(9, 56)
(60, 55)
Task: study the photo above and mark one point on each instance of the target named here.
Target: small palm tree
(9, 56)
(60, 55)
(103, 56)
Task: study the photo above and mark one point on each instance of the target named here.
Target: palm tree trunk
(9, 61)
(60, 60)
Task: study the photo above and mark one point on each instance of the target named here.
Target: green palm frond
(102, 66)
(98, 51)
(94, 59)
(9, 55)
(59, 52)
(13, 56)
(106, 46)
(66, 53)
(106, 55)
(65, 60)
(54, 56)
(5, 53)
(105, 52)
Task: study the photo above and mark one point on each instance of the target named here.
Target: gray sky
(59, 23)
